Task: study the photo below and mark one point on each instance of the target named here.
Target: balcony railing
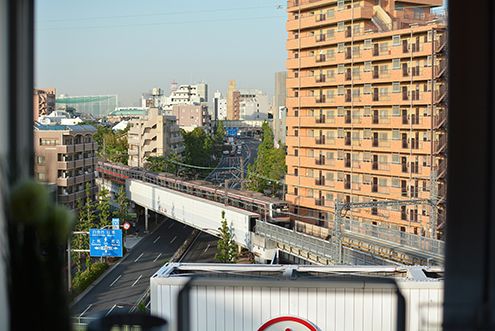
(320, 120)
(320, 78)
(320, 181)
(440, 144)
(320, 161)
(320, 140)
(320, 202)
(321, 58)
(320, 99)
(320, 37)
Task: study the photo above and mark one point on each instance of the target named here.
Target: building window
(395, 135)
(367, 44)
(396, 40)
(48, 142)
(40, 159)
(340, 4)
(340, 47)
(330, 33)
(395, 111)
(41, 176)
(340, 26)
(367, 66)
(340, 90)
(395, 87)
(396, 64)
(340, 69)
(367, 89)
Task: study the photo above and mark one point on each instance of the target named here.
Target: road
(203, 249)
(125, 284)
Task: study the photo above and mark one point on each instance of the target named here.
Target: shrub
(87, 277)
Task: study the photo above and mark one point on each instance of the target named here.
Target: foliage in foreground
(87, 277)
(226, 246)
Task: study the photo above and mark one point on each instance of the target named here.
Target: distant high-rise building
(367, 110)
(155, 134)
(43, 102)
(232, 101)
(219, 107)
(278, 107)
(65, 156)
(253, 105)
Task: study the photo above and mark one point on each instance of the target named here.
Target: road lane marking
(85, 310)
(137, 280)
(138, 257)
(115, 281)
(111, 309)
(156, 258)
(173, 239)
(171, 225)
(154, 241)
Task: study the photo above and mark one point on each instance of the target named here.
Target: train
(271, 210)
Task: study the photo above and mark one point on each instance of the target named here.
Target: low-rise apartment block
(367, 110)
(65, 156)
(190, 117)
(155, 134)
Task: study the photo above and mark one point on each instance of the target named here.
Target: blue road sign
(105, 242)
(115, 223)
(232, 132)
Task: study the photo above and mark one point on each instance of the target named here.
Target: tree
(87, 216)
(198, 150)
(166, 163)
(123, 204)
(112, 145)
(103, 207)
(226, 247)
(269, 167)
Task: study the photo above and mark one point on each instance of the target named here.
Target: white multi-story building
(219, 106)
(253, 105)
(182, 95)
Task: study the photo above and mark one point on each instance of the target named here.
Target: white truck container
(288, 297)
(199, 213)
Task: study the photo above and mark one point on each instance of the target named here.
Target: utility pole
(433, 204)
(69, 275)
(242, 172)
(337, 231)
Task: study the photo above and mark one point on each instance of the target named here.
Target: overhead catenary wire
(188, 12)
(158, 23)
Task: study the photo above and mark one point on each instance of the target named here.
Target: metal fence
(422, 244)
(298, 240)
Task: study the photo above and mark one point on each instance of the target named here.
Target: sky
(127, 47)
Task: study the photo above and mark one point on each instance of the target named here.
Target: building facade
(253, 105)
(278, 108)
(65, 156)
(233, 101)
(219, 107)
(126, 113)
(43, 102)
(190, 117)
(153, 135)
(367, 110)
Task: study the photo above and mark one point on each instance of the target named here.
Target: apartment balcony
(65, 149)
(65, 165)
(65, 181)
(320, 140)
(320, 120)
(320, 99)
(441, 144)
(441, 168)
(441, 44)
(90, 146)
(441, 69)
(79, 163)
(320, 58)
(78, 148)
(89, 161)
(89, 176)
(79, 179)
(320, 78)
(324, 19)
(320, 181)
(320, 201)
(440, 94)
(320, 161)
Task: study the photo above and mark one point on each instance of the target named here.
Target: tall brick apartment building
(367, 110)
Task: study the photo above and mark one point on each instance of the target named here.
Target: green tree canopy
(226, 246)
(269, 168)
(103, 207)
(112, 145)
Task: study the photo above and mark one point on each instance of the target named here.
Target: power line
(161, 14)
(159, 23)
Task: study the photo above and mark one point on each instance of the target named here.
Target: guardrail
(420, 243)
(319, 247)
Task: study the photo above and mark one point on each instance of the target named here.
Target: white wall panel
(194, 211)
(339, 307)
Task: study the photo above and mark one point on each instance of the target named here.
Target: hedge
(87, 277)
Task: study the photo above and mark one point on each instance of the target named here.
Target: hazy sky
(126, 47)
